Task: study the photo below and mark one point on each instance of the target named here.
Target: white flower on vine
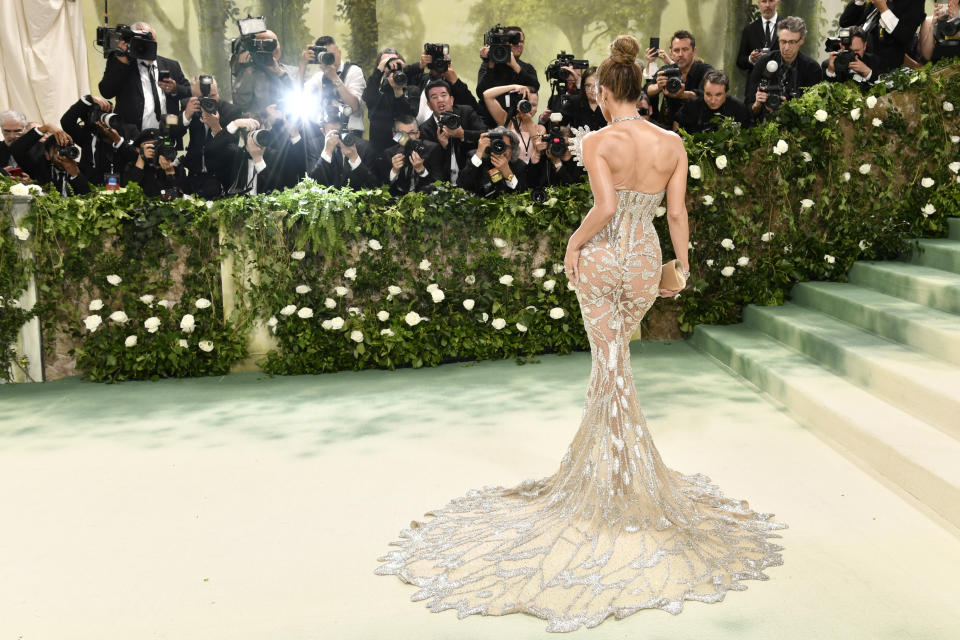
(424, 265)
(374, 244)
(119, 317)
(726, 272)
(947, 106)
(330, 303)
(571, 286)
(708, 200)
(356, 336)
(205, 345)
(498, 323)
(499, 243)
(484, 317)
(19, 189)
(202, 303)
(556, 313)
(272, 322)
(721, 162)
(188, 324)
(864, 245)
(821, 115)
(660, 211)
(383, 316)
(394, 290)
(298, 255)
(855, 114)
(114, 279)
(695, 171)
(303, 288)
(95, 305)
(147, 299)
(955, 139)
(471, 279)
(350, 274)
(709, 263)
(387, 332)
(743, 261)
(781, 147)
(288, 310)
(412, 318)
(355, 311)
(305, 312)
(871, 102)
(865, 168)
(341, 291)
(846, 176)
(806, 203)
(767, 236)
(327, 325)
(337, 323)
(539, 273)
(183, 343)
(954, 167)
(437, 295)
(151, 324)
(807, 157)
(21, 233)
(506, 280)
(727, 244)
(557, 268)
(877, 122)
(737, 191)
(829, 258)
(131, 341)
(928, 210)
(468, 304)
(92, 322)
(927, 182)
(522, 328)
(549, 285)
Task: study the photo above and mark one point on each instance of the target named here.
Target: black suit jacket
(473, 126)
(696, 117)
(804, 72)
(868, 59)
(338, 173)
(122, 81)
(888, 47)
(473, 178)
(753, 38)
(669, 107)
(28, 153)
(500, 75)
(383, 107)
(432, 163)
(228, 162)
(97, 160)
(545, 174)
(201, 137)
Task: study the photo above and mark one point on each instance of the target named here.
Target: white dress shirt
(150, 118)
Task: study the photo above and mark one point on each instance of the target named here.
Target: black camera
(500, 40)
(842, 41)
(770, 84)
(340, 115)
(321, 55)
(539, 195)
(260, 49)
(409, 144)
(140, 44)
(449, 120)
(69, 151)
(643, 111)
(674, 78)
(841, 64)
(497, 144)
(555, 70)
(265, 138)
(556, 141)
(394, 67)
(438, 54)
(946, 28)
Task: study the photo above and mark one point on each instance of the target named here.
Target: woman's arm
(490, 96)
(604, 204)
(677, 207)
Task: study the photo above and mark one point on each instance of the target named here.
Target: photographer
(339, 81)
(105, 142)
(239, 161)
(502, 65)
(48, 155)
(387, 97)
(760, 36)
(938, 33)
(851, 60)
(204, 116)
(491, 169)
(582, 109)
(14, 125)
(455, 127)
(782, 75)
(701, 114)
(411, 164)
(154, 169)
(434, 65)
(146, 86)
(681, 80)
(259, 78)
(347, 159)
(518, 113)
(889, 34)
(555, 165)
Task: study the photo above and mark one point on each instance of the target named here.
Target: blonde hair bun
(625, 49)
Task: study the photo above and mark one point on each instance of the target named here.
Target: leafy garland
(14, 276)
(353, 280)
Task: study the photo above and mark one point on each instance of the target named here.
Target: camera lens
(498, 146)
(524, 106)
(400, 77)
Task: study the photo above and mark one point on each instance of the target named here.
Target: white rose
(336, 323)
(484, 317)
(183, 343)
(709, 263)
(350, 274)
(821, 115)
(131, 341)
(877, 122)
(95, 305)
(187, 324)
(781, 147)
(695, 172)
(558, 268)
(471, 279)
(327, 324)
(432, 286)
(660, 211)
(386, 332)
(727, 244)
(829, 258)
(846, 176)
(19, 189)
(806, 203)
(424, 265)
(522, 328)
(205, 345)
(21, 233)
(374, 244)
(727, 271)
(498, 323)
(383, 316)
(305, 312)
(437, 295)
(341, 291)
(147, 299)
(954, 167)
(926, 183)
(556, 313)
(356, 336)
(737, 191)
(119, 317)
(743, 261)
(766, 237)
(303, 288)
(202, 303)
(499, 243)
(928, 209)
(865, 168)
(288, 310)
(506, 280)
(330, 303)
(708, 200)
(871, 102)
(354, 311)
(272, 322)
(412, 318)
(955, 139)
(721, 162)
(855, 114)
(539, 273)
(948, 106)
(394, 290)
(151, 324)
(298, 255)
(92, 322)
(468, 304)
(166, 304)
(864, 245)
(114, 279)
(571, 286)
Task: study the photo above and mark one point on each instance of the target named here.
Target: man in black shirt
(698, 115)
(515, 71)
(788, 68)
(410, 164)
(893, 36)
(760, 36)
(454, 141)
(860, 69)
(683, 49)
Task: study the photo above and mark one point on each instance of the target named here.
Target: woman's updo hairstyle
(620, 73)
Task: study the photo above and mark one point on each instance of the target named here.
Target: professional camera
(95, 114)
(438, 54)
(260, 50)
(265, 138)
(409, 144)
(946, 28)
(674, 78)
(555, 70)
(394, 67)
(841, 64)
(69, 151)
(770, 84)
(499, 40)
(497, 145)
(321, 55)
(449, 120)
(140, 44)
(842, 41)
(556, 138)
(340, 114)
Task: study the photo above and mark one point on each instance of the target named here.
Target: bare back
(640, 156)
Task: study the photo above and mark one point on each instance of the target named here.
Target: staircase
(871, 365)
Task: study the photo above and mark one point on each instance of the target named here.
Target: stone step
(940, 253)
(912, 454)
(933, 288)
(934, 332)
(921, 385)
(954, 226)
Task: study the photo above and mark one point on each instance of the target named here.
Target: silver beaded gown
(614, 530)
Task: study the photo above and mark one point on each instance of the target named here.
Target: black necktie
(156, 94)
(768, 34)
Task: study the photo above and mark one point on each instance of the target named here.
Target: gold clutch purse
(671, 276)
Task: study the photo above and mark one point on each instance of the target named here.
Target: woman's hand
(571, 262)
(669, 293)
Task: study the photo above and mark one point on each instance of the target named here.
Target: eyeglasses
(20, 130)
(789, 42)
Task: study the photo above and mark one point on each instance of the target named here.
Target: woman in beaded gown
(614, 530)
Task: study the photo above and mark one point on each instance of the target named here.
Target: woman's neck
(618, 109)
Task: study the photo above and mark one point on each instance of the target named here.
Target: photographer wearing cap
(204, 116)
(105, 141)
(455, 127)
(259, 78)
(679, 81)
(491, 169)
(411, 164)
(388, 96)
(784, 74)
(502, 64)
(47, 153)
(154, 169)
(849, 59)
(347, 160)
(760, 36)
(339, 81)
(890, 26)
(701, 114)
(146, 86)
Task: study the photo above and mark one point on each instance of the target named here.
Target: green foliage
(14, 275)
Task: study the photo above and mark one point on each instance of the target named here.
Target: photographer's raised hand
(482, 145)
(63, 138)
(397, 162)
(416, 162)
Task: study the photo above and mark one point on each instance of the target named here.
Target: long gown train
(614, 530)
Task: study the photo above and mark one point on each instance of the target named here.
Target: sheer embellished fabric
(614, 530)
